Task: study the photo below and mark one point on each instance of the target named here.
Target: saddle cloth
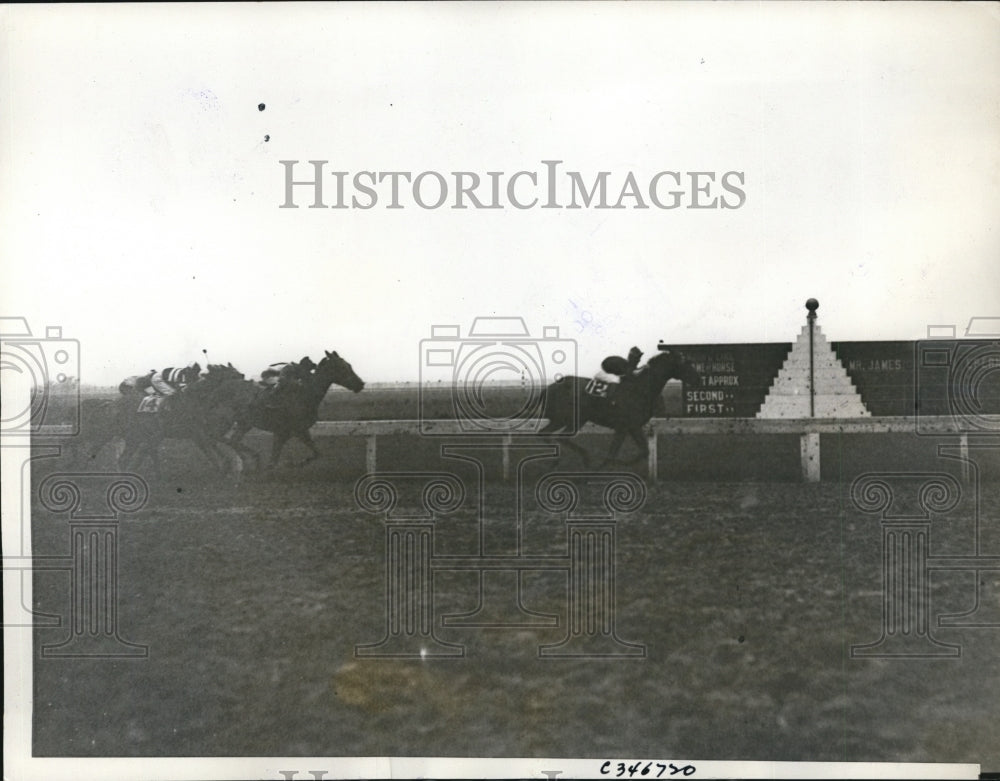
(598, 388)
(151, 403)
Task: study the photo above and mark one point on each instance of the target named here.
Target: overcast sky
(140, 200)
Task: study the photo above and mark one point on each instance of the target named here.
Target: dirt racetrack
(746, 587)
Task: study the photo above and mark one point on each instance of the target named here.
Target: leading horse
(294, 412)
(629, 407)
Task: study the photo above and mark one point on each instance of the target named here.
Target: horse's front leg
(131, 458)
(117, 452)
(641, 443)
(215, 456)
(308, 442)
(234, 438)
(246, 452)
(229, 456)
(616, 445)
(141, 452)
(278, 441)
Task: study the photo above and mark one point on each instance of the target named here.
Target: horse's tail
(545, 401)
(558, 403)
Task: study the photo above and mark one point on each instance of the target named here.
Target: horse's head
(218, 372)
(672, 365)
(335, 369)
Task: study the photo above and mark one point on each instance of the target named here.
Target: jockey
(169, 381)
(286, 373)
(614, 368)
(137, 384)
(281, 381)
(296, 373)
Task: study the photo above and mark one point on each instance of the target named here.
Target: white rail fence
(808, 429)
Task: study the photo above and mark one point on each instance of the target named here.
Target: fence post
(505, 454)
(651, 436)
(812, 305)
(963, 452)
(809, 447)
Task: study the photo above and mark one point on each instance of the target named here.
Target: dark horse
(626, 411)
(203, 413)
(294, 412)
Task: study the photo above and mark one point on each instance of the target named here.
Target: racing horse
(568, 404)
(295, 411)
(103, 421)
(106, 421)
(202, 413)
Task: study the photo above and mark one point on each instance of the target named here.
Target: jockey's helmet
(615, 364)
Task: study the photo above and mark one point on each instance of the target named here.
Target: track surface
(747, 596)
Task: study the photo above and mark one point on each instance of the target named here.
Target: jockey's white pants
(162, 386)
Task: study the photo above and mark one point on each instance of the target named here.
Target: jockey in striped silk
(169, 381)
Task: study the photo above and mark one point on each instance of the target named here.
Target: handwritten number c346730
(642, 769)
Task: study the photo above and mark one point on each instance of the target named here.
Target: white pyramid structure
(836, 396)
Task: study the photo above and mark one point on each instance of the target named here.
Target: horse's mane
(224, 371)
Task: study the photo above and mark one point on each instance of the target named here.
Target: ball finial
(812, 304)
